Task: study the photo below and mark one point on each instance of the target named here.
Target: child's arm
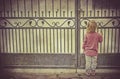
(84, 42)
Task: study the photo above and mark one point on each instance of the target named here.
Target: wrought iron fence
(49, 26)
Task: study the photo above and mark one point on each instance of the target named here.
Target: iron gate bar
(77, 32)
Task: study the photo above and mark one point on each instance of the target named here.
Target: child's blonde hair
(92, 26)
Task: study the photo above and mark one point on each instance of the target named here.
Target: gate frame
(77, 57)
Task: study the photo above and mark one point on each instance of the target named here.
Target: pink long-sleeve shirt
(90, 43)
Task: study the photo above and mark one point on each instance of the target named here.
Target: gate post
(77, 33)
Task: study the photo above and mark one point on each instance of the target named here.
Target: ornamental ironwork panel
(56, 27)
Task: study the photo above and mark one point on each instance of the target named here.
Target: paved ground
(54, 74)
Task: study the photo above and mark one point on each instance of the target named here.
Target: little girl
(90, 47)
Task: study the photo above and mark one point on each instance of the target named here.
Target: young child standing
(90, 47)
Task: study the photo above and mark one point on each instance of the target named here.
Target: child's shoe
(87, 72)
(93, 72)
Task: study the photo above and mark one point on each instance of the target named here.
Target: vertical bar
(108, 41)
(3, 47)
(13, 40)
(30, 41)
(77, 32)
(68, 40)
(21, 12)
(119, 40)
(79, 16)
(40, 39)
(6, 40)
(36, 40)
(53, 41)
(19, 41)
(60, 41)
(53, 7)
(116, 9)
(46, 40)
(67, 8)
(60, 8)
(71, 42)
(19, 35)
(33, 40)
(14, 13)
(11, 7)
(108, 7)
(8, 14)
(9, 41)
(101, 8)
(86, 7)
(83, 32)
(0, 42)
(25, 8)
(57, 42)
(4, 7)
(39, 8)
(105, 12)
(32, 7)
(26, 40)
(111, 40)
(115, 41)
(43, 41)
(64, 40)
(45, 9)
(94, 7)
(50, 42)
(116, 12)
(18, 8)
(16, 40)
(45, 44)
(23, 41)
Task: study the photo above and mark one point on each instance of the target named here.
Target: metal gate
(49, 33)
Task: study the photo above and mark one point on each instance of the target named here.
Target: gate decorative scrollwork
(37, 23)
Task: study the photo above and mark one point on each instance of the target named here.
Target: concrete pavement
(58, 74)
